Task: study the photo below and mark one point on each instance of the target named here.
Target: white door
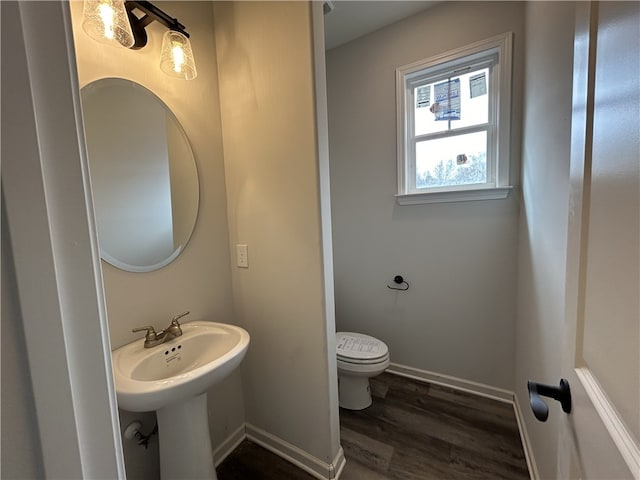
(600, 439)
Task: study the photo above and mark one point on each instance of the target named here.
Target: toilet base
(354, 393)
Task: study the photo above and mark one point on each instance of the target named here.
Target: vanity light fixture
(114, 22)
(106, 21)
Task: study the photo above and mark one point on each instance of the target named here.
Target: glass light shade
(107, 22)
(177, 58)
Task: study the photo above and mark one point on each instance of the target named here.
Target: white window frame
(498, 51)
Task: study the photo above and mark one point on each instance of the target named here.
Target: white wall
(199, 279)
(458, 317)
(543, 222)
(265, 57)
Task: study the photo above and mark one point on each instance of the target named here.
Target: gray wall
(20, 439)
(543, 222)
(21, 452)
(458, 317)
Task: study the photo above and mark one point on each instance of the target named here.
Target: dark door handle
(561, 393)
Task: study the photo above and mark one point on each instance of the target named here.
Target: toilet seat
(363, 361)
(374, 361)
(360, 349)
(361, 369)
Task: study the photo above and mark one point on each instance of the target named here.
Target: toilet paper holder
(400, 284)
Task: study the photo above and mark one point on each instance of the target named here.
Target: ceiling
(349, 20)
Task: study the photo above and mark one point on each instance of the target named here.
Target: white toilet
(360, 357)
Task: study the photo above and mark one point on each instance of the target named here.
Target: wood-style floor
(413, 430)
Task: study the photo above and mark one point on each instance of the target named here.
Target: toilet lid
(357, 346)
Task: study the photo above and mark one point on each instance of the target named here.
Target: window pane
(455, 160)
(474, 94)
(460, 101)
(425, 119)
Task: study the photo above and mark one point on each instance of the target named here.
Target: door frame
(47, 196)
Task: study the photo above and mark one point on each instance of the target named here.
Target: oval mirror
(143, 175)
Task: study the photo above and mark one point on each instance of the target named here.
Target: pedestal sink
(173, 378)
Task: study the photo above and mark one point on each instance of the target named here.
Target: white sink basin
(152, 378)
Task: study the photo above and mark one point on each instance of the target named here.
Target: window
(454, 124)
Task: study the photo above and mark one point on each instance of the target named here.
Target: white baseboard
(297, 456)
(526, 443)
(338, 464)
(283, 449)
(456, 383)
(223, 450)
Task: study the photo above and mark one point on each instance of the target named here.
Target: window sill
(454, 196)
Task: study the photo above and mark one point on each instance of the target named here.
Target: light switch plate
(242, 256)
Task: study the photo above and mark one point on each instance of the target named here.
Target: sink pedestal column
(185, 445)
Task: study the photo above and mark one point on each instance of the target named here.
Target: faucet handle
(150, 335)
(174, 320)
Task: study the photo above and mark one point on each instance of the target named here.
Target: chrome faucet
(153, 338)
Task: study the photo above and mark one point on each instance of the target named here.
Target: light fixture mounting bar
(151, 13)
